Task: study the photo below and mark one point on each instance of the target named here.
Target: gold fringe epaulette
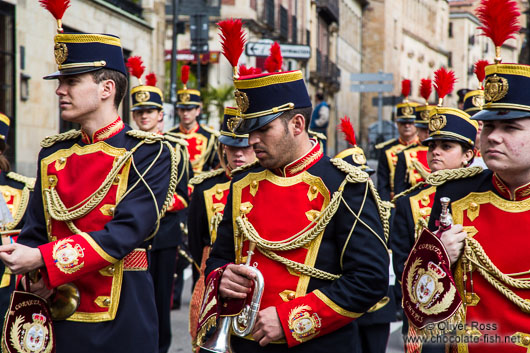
(318, 135)
(196, 180)
(27, 181)
(440, 177)
(211, 130)
(51, 140)
(384, 144)
(245, 167)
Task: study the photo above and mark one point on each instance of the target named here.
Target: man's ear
(160, 115)
(108, 89)
(298, 123)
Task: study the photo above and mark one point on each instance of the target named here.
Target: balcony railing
(131, 6)
(329, 10)
(326, 73)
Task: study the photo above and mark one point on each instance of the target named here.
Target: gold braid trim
(421, 169)
(313, 229)
(196, 180)
(29, 184)
(475, 254)
(383, 144)
(210, 130)
(357, 175)
(440, 177)
(51, 140)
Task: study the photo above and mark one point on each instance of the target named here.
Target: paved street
(181, 337)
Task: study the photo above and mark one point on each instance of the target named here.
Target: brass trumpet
(243, 323)
(65, 301)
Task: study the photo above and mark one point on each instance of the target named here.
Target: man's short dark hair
(305, 112)
(119, 79)
(319, 96)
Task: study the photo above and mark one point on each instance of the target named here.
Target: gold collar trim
(104, 133)
(304, 162)
(520, 193)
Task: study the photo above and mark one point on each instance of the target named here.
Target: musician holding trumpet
(318, 229)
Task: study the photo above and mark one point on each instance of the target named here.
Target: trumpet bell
(65, 301)
(220, 341)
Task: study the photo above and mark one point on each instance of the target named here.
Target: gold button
(314, 189)
(150, 247)
(106, 302)
(291, 296)
(110, 269)
(111, 210)
(219, 191)
(473, 206)
(117, 179)
(225, 304)
(526, 340)
(62, 160)
(51, 180)
(254, 184)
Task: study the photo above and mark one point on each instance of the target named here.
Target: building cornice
(464, 15)
(123, 13)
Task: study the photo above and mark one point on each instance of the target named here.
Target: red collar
(187, 132)
(105, 132)
(521, 193)
(303, 163)
(415, 141)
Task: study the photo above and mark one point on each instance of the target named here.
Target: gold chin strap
(234, 135)
(281, 108)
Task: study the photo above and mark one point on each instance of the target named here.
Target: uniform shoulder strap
(196, 180)
(27, 181)
(51, 140)
(384, 144)
(210, 130)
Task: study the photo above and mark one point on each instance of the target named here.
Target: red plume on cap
(185, 74)
(405, 88)
(274, 61)
(347, 128)
(246, 71)
(232, 40)
(150, 79)
(480, 71)
(425, 88)
(499, 21)
(136, 66)
(57, 9)
(444, 82)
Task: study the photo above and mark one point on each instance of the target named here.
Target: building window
(284, 23)
(450, 30)
(294, 30)
(7, 73)
(269, 13)
(131, 6)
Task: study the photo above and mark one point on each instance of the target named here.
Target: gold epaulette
(318, 135)
(144, 135)
(176, 139)
(51, 140)
(384, 144)
(27, 181)
(440, 177)
(211, 130)
(244, 167)
(356, 174)
(196, 180)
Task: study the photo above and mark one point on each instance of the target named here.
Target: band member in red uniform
(147, 110)
(99, 195)
(321, 268)
(208, 202)
(388, 150)
(487, 245)
(201, 139)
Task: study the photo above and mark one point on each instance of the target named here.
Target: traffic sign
(363, 77)
(372, 87)
(290, 51)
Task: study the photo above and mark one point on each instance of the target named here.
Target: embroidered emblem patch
(67, 257)
(407, 110)
(495, 88)
(478, 101)
(185, 98)
(60, 51)
(241, 101)
(233, 123)
(31, 337)
(437, 122)
(142, 96)
(302, 324)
